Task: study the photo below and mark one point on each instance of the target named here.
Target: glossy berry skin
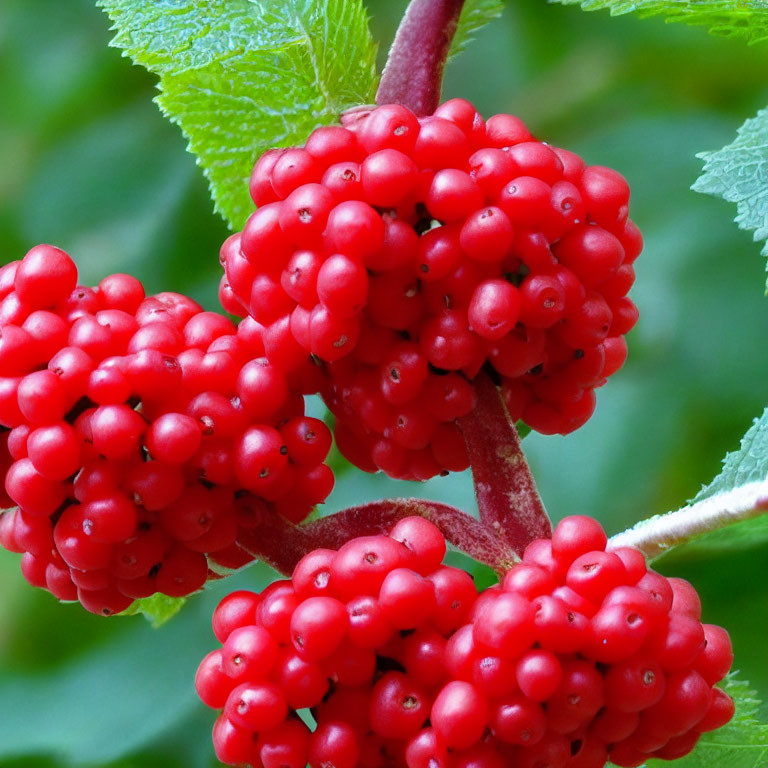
(527, 673)
(421, 248)
(140, 434)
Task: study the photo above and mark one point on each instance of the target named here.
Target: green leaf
(747, 465)
(743, 743)
(737, 173)
(239, 76)
(730, 18)
(157, 609)
(474, 15)
(734, 500)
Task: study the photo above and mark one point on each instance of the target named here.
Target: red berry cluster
(139, 436)
(407, 253)
(580, 656)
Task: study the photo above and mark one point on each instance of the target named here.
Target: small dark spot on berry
(264, 472)
(283, 450)
(371, 557)
(394, 374)
(576, 746)
(578, 354)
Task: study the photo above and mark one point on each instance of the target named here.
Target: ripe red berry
(137, 425)
(479, 245)
(396, 672)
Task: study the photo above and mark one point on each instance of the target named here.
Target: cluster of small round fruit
(407, 253)
(139, 435)
(581, 655)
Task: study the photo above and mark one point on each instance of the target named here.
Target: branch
(282, 544)
(658, 534)
(413, 74)
(507, 496)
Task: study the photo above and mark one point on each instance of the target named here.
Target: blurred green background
(88, 163)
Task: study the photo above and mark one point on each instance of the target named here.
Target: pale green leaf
(737, 491)
(739, 173)
(157, 609)
(730, 18)
(240, 76)
(747, 465)
(474, 15)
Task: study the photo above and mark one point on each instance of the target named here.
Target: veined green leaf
(474, 15)
(730, 18)
(730, 506)
(739, 173)
(746, 465)
(240, 76)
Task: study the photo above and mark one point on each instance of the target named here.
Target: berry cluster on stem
(392, 259)
(139, 436)
(581, 655)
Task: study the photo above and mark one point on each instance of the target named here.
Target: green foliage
(157, 609)
(743, 743)
(730, 18)
(240, 77)
(747, 465)
(474, 15)
(737, 173)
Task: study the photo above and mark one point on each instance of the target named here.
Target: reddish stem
(507, 496)
(413, 75)
(282, 544)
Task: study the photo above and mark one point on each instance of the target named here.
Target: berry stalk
(282, 544)
(413, 74)
(506, 492)
(655, 536)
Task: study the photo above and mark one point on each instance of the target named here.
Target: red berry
(517, 673)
